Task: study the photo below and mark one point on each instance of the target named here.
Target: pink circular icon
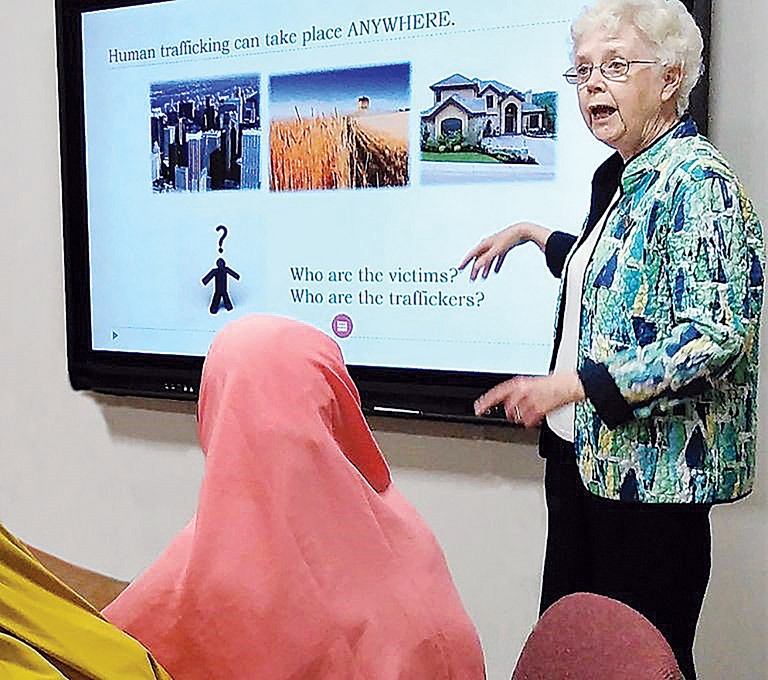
(342, 325)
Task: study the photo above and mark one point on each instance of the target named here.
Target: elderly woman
(649, 412)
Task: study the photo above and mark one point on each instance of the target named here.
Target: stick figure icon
(220, 295)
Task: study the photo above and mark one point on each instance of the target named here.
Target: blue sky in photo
(323, 92)
(163, 93)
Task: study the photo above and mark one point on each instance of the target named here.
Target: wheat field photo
(336, 152)
(344, 129)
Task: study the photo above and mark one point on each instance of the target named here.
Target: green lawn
(458, 157)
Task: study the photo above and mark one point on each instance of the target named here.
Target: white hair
(666, 25)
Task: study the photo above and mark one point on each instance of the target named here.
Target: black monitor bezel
(390, 391)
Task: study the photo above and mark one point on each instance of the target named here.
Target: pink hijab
(303, 561)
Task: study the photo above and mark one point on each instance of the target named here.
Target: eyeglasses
(615, 69)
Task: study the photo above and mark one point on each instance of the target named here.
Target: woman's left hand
(528, 399)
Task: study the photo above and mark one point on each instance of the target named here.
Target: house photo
(482, 108)
(485, 123)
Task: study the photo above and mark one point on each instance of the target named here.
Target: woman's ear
(673, 79)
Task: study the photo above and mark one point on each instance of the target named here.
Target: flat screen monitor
(329, 162)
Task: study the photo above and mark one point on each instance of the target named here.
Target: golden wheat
(334, 152)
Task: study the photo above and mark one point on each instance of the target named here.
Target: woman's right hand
(495, 247)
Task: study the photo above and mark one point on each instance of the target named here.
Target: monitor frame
(404, 392)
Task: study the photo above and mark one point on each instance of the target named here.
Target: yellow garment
(47, 631)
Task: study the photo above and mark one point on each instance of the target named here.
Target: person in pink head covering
(303, 561)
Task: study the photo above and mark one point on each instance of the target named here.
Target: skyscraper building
(187, 110)
(169, 137)
(209, 118)
(182, 178)
(251, 110)
(250, 159)
(157, 162)
(233, 106)
(230, 148)
(217, 169)
(157, 122)
(211, 142)
(194, 158)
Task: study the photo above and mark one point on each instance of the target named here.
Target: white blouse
(561, 420)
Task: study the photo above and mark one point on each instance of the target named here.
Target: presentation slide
(332, 163)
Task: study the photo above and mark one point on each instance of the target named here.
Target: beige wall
(733, 634)
(466, 92)
(450, 111)
(106, 482)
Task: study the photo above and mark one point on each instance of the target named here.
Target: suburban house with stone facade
(479, 109)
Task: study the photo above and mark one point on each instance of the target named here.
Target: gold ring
(518, 417)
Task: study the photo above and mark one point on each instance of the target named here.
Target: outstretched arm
(491, 251)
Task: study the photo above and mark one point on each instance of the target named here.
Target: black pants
(656, 558)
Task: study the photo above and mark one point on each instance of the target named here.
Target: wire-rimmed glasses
(614, 69)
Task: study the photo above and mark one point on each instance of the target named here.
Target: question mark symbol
(479, 296)
(224, 231)
(454, 272)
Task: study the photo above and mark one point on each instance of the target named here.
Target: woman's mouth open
(601, 112)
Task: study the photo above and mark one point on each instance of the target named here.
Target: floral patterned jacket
(668, 339)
